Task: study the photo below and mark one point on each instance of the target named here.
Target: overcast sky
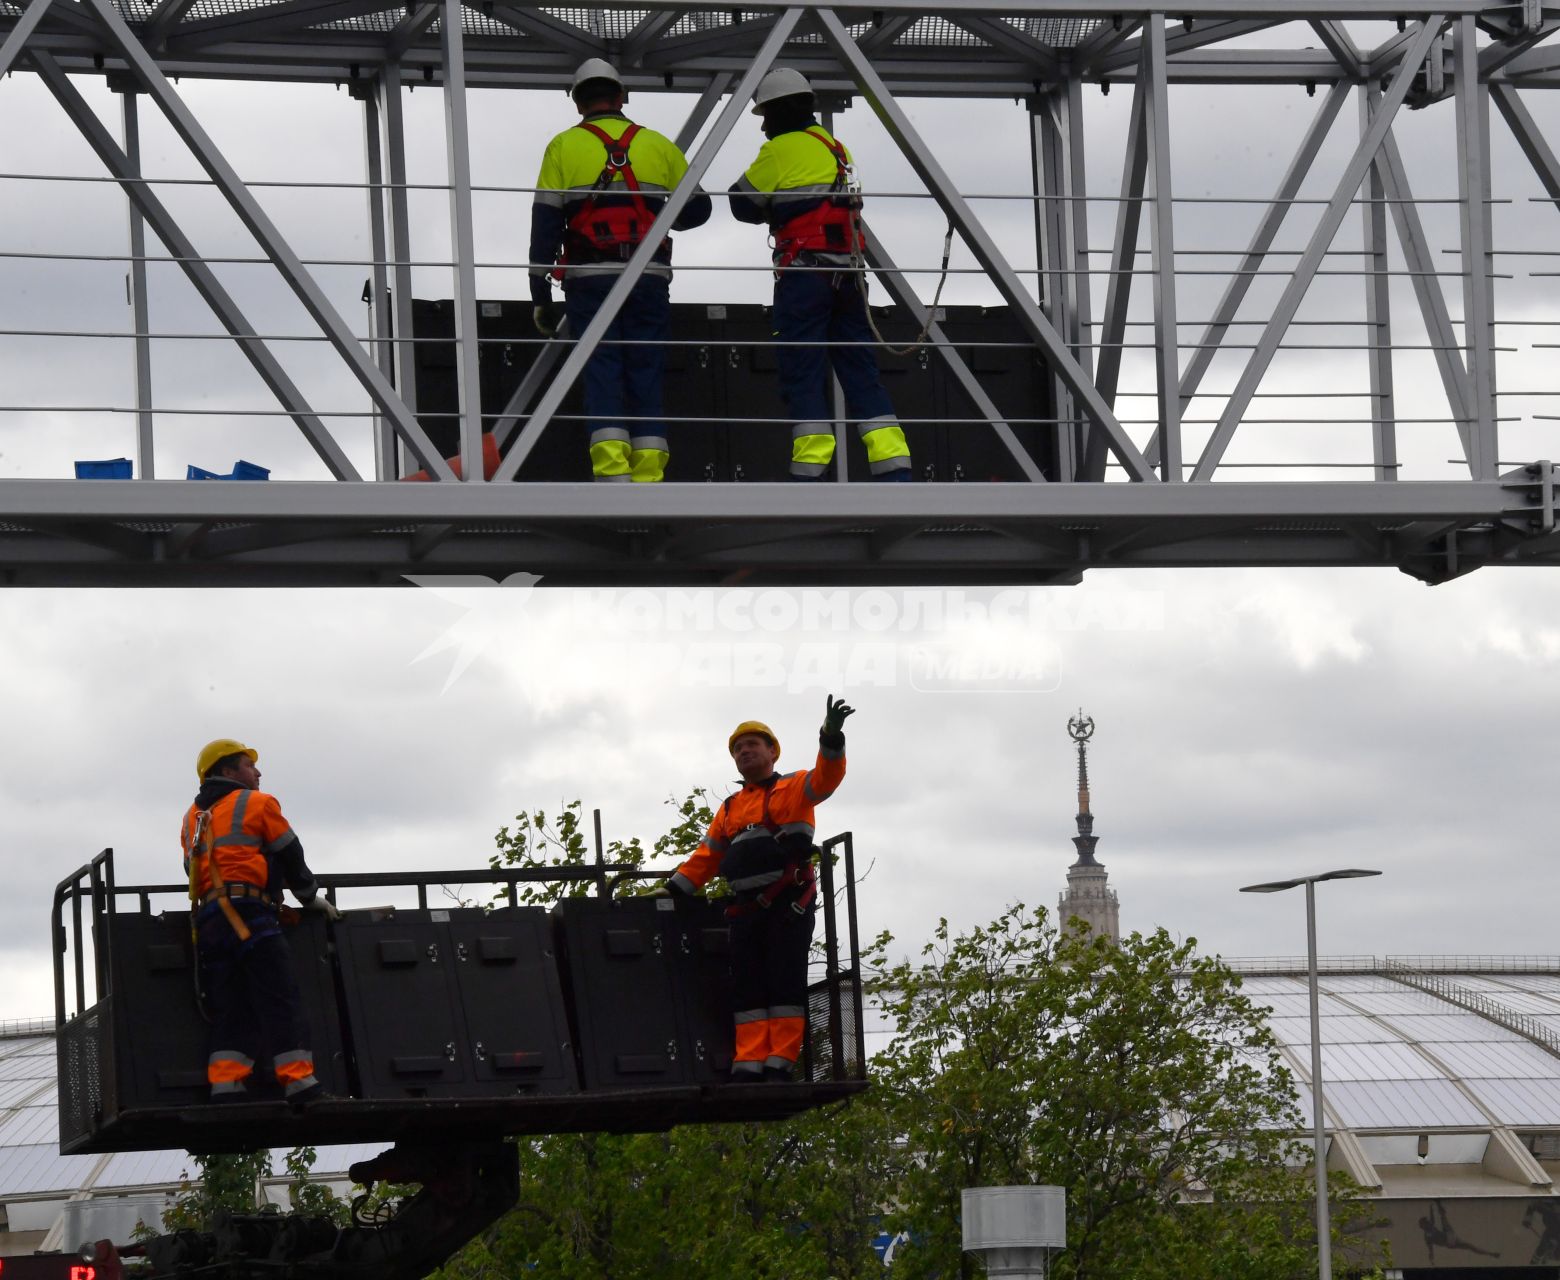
(1251, 724)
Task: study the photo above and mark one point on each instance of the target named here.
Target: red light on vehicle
(80, 1272)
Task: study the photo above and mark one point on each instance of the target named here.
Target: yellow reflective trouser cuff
(647, 464)
(886, 446)
(609, 459)
(812, 448)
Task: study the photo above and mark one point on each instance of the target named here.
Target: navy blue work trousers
(250, 988)
(622, 383)
(813, 307)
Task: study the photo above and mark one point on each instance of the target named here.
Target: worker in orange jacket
(761, 841)
(239, 852)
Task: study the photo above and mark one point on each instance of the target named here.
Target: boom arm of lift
(465, 1188)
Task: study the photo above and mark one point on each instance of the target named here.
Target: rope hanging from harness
(604, 229)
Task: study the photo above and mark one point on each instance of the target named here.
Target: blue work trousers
(250, 989)
(815, 307)
(622, 383)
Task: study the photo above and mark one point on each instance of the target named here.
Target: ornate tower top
(1080, 729)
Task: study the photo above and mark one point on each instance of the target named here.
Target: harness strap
(795, 873)
(618, 162)
(795, 237)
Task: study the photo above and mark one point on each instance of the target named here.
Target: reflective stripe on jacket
(245, 830)
(750, 841)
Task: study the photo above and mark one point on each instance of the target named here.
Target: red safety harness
(607, 228)
(831, 226)
(799, 872)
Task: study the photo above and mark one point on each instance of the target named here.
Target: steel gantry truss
(1109, 489)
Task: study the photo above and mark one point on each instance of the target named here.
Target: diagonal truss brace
(20, 32)
(1305, 270)
(1002, 275)
(1261, 241)
(1427, 290)
(200, 275)
(258, 223)
(552, 398)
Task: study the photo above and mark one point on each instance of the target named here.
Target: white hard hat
(782, 82)
(595, 69)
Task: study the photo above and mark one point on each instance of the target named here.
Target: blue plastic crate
(107, 469)
(241, 471)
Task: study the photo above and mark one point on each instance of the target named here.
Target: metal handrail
(1477, 1002)
(1382, 964)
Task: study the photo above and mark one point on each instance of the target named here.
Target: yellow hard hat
(221, 748)
(753, 726)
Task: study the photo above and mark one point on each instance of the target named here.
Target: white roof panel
(1506, 1060)
(146, 1169)
(38, 1169)
(1403, 1000)
(29, 1125)
(27, 1068)
(1343, 1029)
(1467, 1028)
(1375, 1062)
(1298, 1005)
(15, 1092)
(1520, 1101)
(1400, 1104)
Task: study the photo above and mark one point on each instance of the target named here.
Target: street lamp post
(1323, 1226)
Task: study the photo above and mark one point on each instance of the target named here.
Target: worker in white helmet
(802, 186)
(602, 182)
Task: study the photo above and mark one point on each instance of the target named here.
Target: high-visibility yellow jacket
(766, 825)
(571, 167)
(793, 174)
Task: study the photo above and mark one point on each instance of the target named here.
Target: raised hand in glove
(547, 316)
(834, 716)
(323, 906)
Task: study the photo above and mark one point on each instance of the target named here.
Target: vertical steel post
(140, 312)
(837, 392)
(379, 284)
(1048, 138)
(1161, 222)
(1378, 310)
(392, 122)
(1076, 210)
(1323, 1226)
(1473, 188)
(468, 373)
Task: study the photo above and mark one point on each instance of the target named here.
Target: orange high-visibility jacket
(246, 828)
(764, 826)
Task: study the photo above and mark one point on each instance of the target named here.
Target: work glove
(546, 316)
(834, 716)
(659, 889)
(322, 905)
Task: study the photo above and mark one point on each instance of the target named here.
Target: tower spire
(1081, 728)
(1088, 896)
